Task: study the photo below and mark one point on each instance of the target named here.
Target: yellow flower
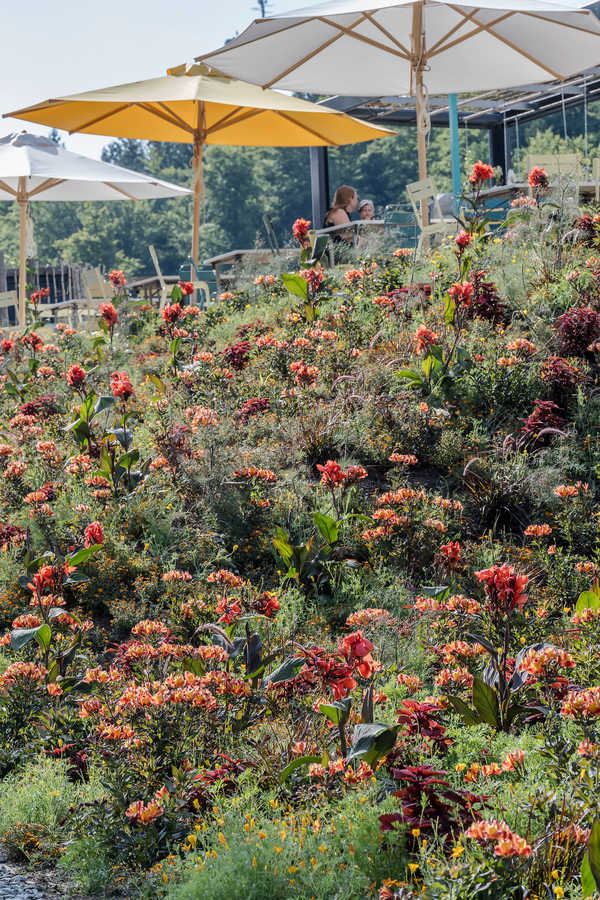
(278, 849)
(554, 874)
(458, 849)
(413, 867)
(460, 767)
(415, 832)
(559, 892)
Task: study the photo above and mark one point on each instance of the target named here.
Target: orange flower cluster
(333, 476)
(538, 530)
(200, 416)
(459, 677)
(370, 618)
(582, 704)
(404, 459)
(145, 814)
(176, 575)
(252, 472)
(305, 375)
(27, 672)
(506, 842)
(224, 577)
(424, 338)
(411, 682)
(461, 651)
(545, 662)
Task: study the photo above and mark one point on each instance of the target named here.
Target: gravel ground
(16, 883)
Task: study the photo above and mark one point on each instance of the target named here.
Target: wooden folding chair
(424, 192)
(8, 300)
(559, 165)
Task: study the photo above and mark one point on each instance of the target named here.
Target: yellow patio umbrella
(196, 104)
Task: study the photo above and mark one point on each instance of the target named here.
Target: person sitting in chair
(345, 201)
(366, 210)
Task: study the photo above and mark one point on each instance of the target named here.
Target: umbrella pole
(418, 60)
(22, 201)
(199, 138)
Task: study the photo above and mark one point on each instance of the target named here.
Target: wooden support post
(22, 201)
(418, 62)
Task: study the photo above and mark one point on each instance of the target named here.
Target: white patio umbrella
(393, 47)
(34, 168)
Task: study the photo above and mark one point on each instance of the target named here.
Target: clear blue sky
(54, 47)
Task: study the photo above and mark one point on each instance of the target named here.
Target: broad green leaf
(587, 600)
(485, 701)
(176, 294)
(20, 637)
(593, 852)
(174, 346)
(297, 764)
(338, 711)
(327, 526)
(80, 556)
(288, 669)
(449, 309)
(158, 384)
(588, 882)
(409, 375)
(106, 462)
(128, 459)
(468, 715)
(103, 403)
(76, 578)
(371, 740)
(43, 636)
(296, 285)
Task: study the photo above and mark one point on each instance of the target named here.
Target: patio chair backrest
(271, 236)
(8, 300)
(557, 164)
(401, 221)
(95, 285)
(596, 176)
(424, 192)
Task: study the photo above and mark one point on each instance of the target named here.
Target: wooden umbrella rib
(47, 104)
(349, 32)
(388, 34)
(45, 186)
(171, 112)
(253, 40)
(453, 30)
(241, 118)
(533, 15)
(510, 44)
(328, 141)
(224, 119)
(119, 190)
(304, 59)
(106, 115)
(159, 113)
(470, 34)
(6, 187)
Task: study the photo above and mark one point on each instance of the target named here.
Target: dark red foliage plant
(237, 356)
(429, 805)
(577, 329)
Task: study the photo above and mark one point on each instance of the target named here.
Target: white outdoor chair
(165, 290)
(8, 300)
(424, 192)
(97, 291)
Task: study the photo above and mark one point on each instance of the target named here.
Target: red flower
(6, 345)
(109, 313)
(39, 295)
(33, 340)
(186, 288)
(461, 293)
(481, 172)
(120, 385)
(462, 240)
(504, 589)
(424, 339)
(451, 552)
(300, 231)
(93, 534)
(357, 650)
(76, 376)
(314, 277)
(172, 313)
(538, 178)
(332, 474)
(116, 278)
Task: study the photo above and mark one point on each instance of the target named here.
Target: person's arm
(341, 217)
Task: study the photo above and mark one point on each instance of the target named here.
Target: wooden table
(233, 257)
(150, 287)
(587, 190)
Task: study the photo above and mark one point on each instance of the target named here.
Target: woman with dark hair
(345, 202)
